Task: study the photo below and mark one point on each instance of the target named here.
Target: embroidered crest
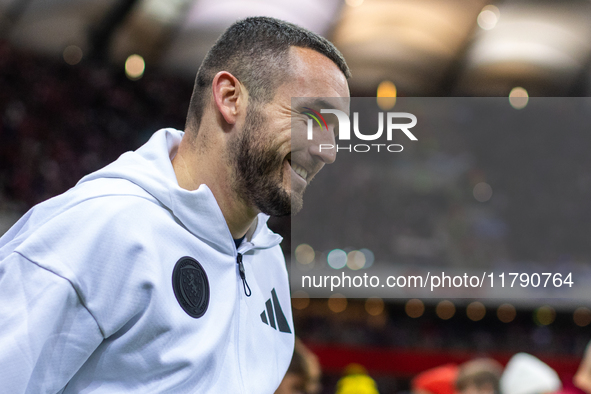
(191, 287)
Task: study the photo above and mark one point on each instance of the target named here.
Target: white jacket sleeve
(46, 333)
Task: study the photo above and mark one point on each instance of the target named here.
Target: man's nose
(323, 146)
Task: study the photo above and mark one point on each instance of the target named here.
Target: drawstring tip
(243, 275)
(246, 287)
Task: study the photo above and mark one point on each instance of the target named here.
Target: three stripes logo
(276, 318)
(314, 115)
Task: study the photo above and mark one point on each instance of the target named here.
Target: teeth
(299, 170)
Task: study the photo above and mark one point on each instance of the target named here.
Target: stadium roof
(428, 47)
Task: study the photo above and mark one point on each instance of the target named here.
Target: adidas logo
(275, 314)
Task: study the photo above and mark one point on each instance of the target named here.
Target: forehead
(312, 74)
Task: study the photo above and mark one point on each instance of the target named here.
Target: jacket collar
(150, 167)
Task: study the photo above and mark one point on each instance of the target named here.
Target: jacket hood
(150, 168)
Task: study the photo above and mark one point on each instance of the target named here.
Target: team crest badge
(191, 287)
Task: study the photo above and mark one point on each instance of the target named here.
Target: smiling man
(158, 273)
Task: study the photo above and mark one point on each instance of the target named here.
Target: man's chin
(297, 203)
(284, 207)
(275, 202)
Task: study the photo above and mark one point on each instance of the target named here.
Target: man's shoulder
(111, 200)
(106, 191)
(88, 217)
(106, 245)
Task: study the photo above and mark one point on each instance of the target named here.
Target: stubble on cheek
(258, 168)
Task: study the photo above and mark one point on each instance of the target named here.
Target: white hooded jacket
(87, 303)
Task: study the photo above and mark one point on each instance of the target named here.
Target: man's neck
(194, 168)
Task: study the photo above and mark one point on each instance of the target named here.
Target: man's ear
(228, 96)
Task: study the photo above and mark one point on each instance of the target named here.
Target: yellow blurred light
(374, 306)
(506, 313)
(518, 97)
(354, 3)
(414, 308)
(72, 55)
(304, 254)
(337, 303)
(135, 67)
(475, 311)
(386, 96)
(355, 260)
(300, 299)
(545, 315)
(488, 17)
(582, 316)
(445, 310)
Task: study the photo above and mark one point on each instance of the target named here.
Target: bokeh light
(518, 97)
(414, 308)
(386, 96)
(337, 258)
(369, 257)
(544, 315)
(337, 303)
(582, 316)
(355, 260)
(300, 299)
(72, 55)
(374, 306)
(488, 17)
(445, 310)
(482, 192)
(135, 67)
(304, 254)
(476, 311)
(506, 313)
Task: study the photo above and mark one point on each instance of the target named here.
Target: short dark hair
(255, 51)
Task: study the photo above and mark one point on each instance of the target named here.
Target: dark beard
(258, 170)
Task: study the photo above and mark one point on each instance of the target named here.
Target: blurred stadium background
(83, 81)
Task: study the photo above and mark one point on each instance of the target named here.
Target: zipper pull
(243, 275)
